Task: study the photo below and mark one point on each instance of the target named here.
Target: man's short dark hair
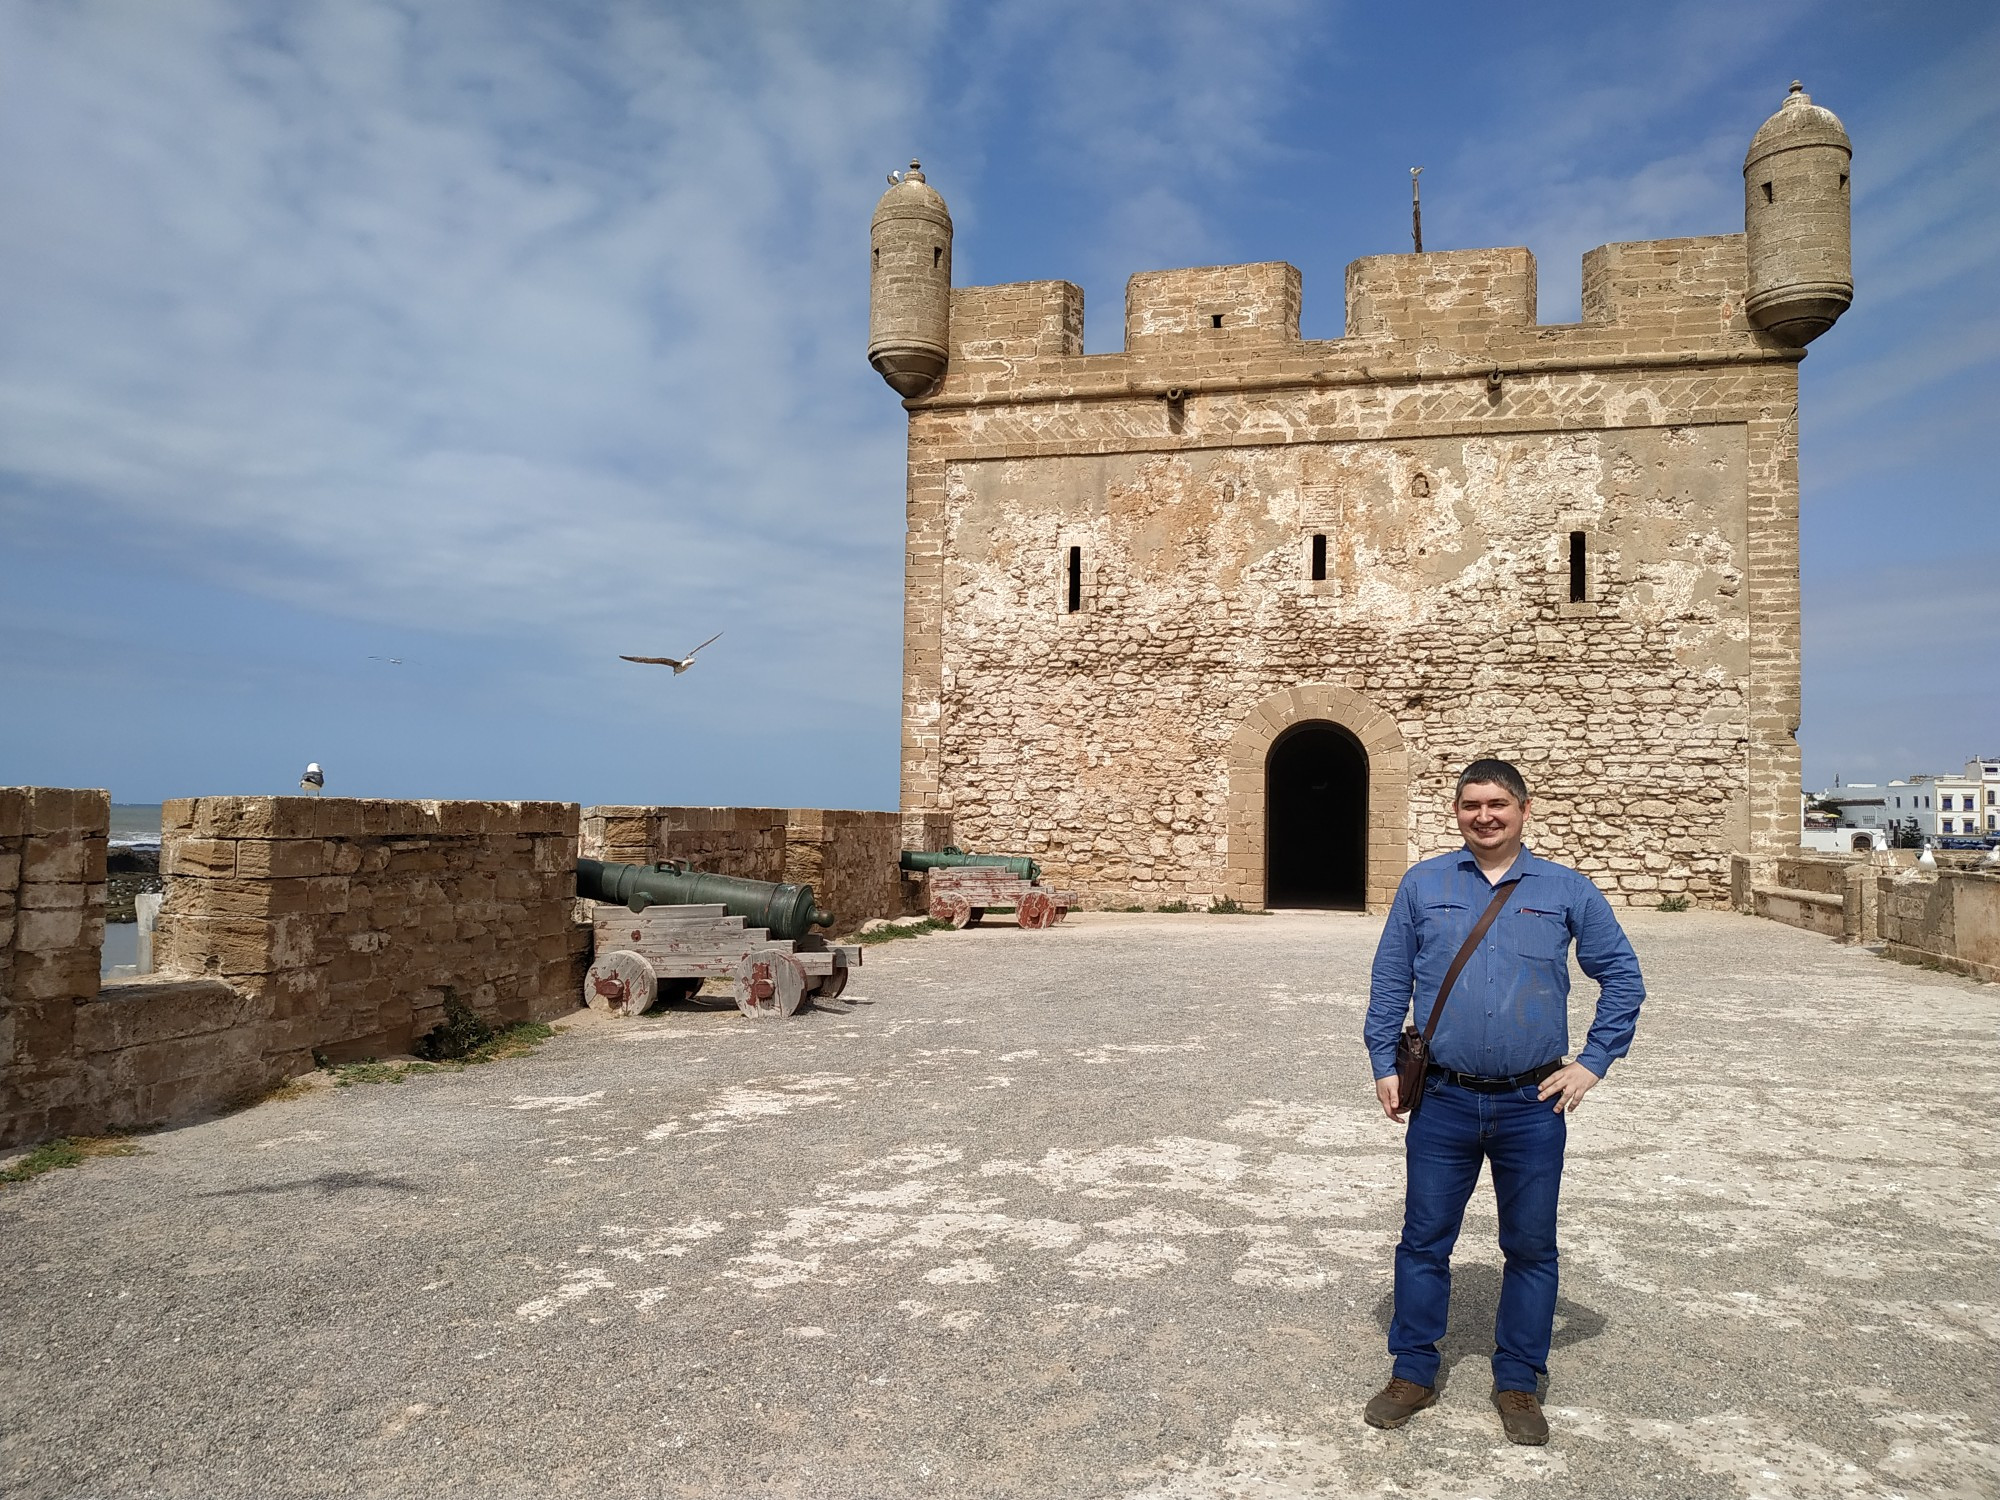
(1498, 773)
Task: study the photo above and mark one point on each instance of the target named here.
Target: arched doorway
(1316, 818)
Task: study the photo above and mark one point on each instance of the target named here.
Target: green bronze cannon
(1018, 866)
(787, 912)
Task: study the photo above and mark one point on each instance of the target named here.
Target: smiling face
(1492, 819)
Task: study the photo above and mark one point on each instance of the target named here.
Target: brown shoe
(1397, 1402)
(1521, 1415)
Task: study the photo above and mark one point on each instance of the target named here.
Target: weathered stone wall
(745, 841)
(1814, 893)
(1948, 917)
(850, 861)
(1239, 308)
(849, 858)
(52, 845)
(1446, 449)
(346, 923)
(1951, 920)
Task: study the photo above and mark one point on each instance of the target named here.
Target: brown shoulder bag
(1413, 1049)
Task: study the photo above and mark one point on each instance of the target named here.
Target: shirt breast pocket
(1437, 919)
(1535, 934)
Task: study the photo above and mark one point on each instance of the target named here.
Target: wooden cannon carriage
(962, 894)
(665, 952)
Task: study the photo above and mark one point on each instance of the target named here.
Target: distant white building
(1941, 806)
(1985, 771)
(1965, 806)
(1862, 805)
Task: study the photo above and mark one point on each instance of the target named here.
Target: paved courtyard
(1101, 1211)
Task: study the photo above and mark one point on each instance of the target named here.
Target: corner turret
(1795, 216)
(909, 285)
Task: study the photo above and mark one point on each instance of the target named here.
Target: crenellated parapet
(1736, 298)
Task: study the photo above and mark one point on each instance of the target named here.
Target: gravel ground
(1101, 1211)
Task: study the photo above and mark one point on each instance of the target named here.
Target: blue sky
(503, 338)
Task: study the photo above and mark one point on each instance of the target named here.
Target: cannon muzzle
(787, 912)
(1018, 866)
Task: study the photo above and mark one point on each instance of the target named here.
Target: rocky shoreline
(129, 872)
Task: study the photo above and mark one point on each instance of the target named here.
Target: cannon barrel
(787, 912)
(1019, 866)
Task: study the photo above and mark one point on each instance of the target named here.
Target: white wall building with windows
(1985, 771)
(1966, 806)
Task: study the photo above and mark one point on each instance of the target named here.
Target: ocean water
(135, 823)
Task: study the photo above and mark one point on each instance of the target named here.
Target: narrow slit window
(1843, 182)
(1215, 320)
(937, 256)
(1767, 194)
(878, 257)
(1578, 573)
(1075, 580)
(1319, 557)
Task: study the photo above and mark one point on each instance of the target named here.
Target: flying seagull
(313, 780)
(394, 661)
(679, 663)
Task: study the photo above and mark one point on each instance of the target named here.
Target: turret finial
(1797, 87)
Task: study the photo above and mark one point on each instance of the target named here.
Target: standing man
(1498, 1089)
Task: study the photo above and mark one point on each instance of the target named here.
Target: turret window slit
(1578, 569)
(1319, 557)
(1075, 580)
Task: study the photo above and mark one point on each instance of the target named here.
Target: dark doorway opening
(1316, 819)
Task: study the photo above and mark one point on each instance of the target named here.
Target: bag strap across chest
(1486, 919)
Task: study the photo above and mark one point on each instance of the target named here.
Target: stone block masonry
(52, 848)
(1456, 531)
(1950, 920)
(349, 922)
(848, 857)
(303, 928)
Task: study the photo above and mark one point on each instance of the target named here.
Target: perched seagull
(679, 663)
(313, 780)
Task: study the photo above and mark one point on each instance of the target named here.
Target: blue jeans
(1455, 1130)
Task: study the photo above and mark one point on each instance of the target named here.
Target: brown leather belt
(1480, 1085)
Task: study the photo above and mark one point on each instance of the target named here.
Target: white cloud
(494, 320)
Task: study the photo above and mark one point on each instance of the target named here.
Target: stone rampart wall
(1948, 915)
(1831, 894)
(349, 922)
(297, 929)
(52, 845)
(847, 857)
(1952, 920)
(744, 841)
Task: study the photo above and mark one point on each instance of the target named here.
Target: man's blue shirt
(1509, 1011)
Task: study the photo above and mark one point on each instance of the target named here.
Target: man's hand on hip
(1567, 1086)
(1390, 1092)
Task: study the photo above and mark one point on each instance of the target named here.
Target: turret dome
(911, 193)
(1798, 122)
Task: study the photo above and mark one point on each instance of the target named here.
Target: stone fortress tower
(1223, 615)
